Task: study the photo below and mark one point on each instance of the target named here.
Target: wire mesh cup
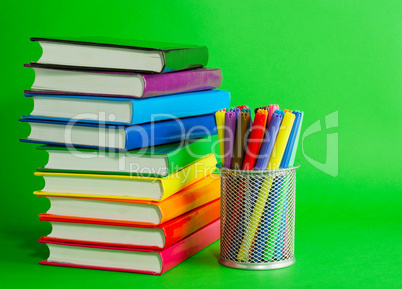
(257, 218)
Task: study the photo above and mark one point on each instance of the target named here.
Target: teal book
(157, 161)
(113, 54)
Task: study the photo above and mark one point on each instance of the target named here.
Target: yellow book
(220, 125)
(126, 187)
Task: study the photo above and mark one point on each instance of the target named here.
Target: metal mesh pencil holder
(257, 218)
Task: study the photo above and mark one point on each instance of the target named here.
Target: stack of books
(129, 128)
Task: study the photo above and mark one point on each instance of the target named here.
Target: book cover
(181, 105)
(160, 188)
(189, 198)
(174, 56)
(135, 136)
(168, 258)
(62, 82)
(173, 230)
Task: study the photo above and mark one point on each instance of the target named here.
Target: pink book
(154, 262)
(122, 84)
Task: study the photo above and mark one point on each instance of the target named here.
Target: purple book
(122, 84)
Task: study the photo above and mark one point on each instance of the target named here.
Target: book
(129, 211)
(125, 111)
(120, 186)
(125, 259)
(85, 231)
(122, 84)
(120, 137)
(158, 161)
(120, 54)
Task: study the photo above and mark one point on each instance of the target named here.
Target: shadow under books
(26, 239)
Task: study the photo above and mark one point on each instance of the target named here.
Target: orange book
(127, 211)
(85, 231)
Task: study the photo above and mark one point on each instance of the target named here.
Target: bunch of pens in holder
(258, 186)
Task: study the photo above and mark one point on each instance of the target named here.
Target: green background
(316, 56)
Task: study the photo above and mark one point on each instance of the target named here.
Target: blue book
(120, 137)
(125, 111)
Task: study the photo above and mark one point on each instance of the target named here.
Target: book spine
(186, 248)
(176, 230)
(183, 81)
(177, 59)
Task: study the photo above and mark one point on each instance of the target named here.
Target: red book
(118, 234)
(255, 139)
(154, 262)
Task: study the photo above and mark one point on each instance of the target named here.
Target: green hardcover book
(112, 54)
(158, 161)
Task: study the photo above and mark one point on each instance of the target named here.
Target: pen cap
(242, 127)
(281, 112)
(260, 120)
(255, 139)
(230, 131)
(271, 111)
(220, 125)
(260, 108)
(249, 112)
(237, 111)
